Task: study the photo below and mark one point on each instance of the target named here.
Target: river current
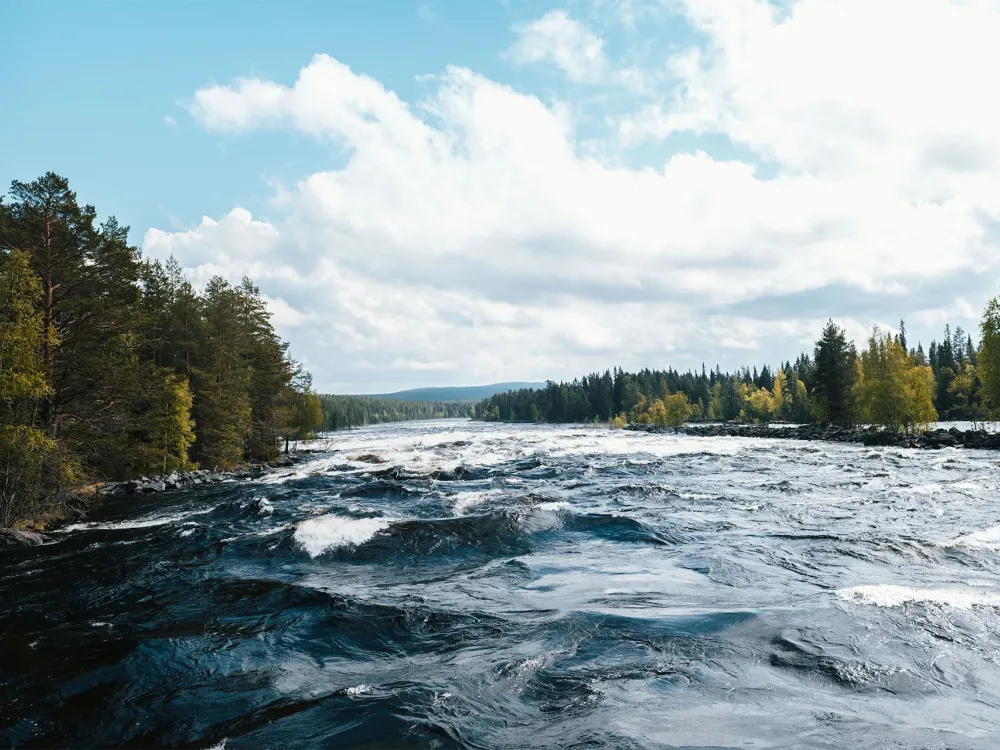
(513, 586)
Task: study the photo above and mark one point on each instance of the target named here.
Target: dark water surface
(520, 586)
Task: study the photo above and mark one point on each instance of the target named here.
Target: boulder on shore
(12, 538)
(928, 440)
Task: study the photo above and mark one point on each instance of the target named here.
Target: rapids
(511, 586)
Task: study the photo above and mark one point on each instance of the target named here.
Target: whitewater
(457, 584)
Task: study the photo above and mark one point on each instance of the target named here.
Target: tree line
(886, 384)
(114, 366)
(345, 412)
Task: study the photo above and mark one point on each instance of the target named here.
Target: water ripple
(452, 584)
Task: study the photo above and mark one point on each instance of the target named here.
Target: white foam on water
(985, 539)
(553, 505)
(631, 443)
(932, 488)
(138, 523)
(890, 595)
(697, 496)
(282, 478)
(264, 506)
(543, 517)
(463, 501)
(359, 689)
(324, 533)
(269, 532)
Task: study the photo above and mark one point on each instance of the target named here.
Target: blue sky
(460, 192)
(122, 67)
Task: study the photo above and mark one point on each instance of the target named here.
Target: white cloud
(468, 237)
(169, 120)
(843, 87)
(557, 38)
(578, 52)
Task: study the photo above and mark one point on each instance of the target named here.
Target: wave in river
(452, 584)
(319, 535)
(890, 595)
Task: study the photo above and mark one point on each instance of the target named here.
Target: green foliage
(670, 411)
(170, 426)
(222, 377)
(958, 392)
(989, 355)
(892, 391)
(33, 473)
(798, 411)
(112, 366)
(966, 393)
(22, 374)
(308, 415)
(822, 389)
(833, 377)
(761, 405)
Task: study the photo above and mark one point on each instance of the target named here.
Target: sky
(452, 192)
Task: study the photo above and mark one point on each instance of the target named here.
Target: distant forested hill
(464, 394)
(342, 412)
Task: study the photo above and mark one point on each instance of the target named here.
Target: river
(511, 586)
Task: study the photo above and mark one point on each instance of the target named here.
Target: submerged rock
(367, 458)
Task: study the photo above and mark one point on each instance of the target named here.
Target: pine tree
(222, 409)
(45, 220)
(89, 279)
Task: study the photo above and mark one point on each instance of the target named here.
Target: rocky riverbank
(928, 440)
(184, 479)
(81, 501)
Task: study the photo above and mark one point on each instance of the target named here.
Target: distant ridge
(466, 393)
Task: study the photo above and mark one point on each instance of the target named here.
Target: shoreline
(925, 440)
(84, 499)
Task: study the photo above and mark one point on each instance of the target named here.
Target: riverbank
(926, 440)
(82, 500)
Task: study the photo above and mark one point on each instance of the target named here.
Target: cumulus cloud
(842, 87)
(558, 39)
(469, 237)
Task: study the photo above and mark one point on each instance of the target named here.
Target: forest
(114, 366)
(345, 412)
(886, 384)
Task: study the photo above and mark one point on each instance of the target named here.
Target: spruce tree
(833, 377)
